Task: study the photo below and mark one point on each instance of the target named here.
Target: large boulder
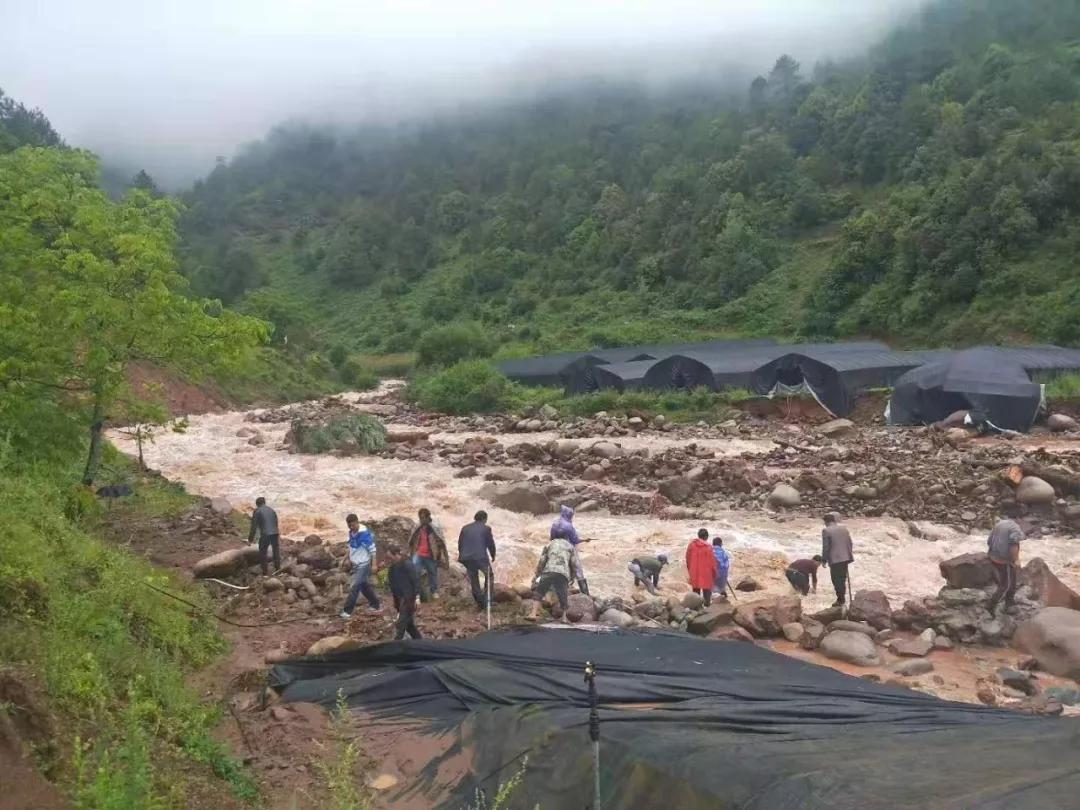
(1060, 423)
(1046, 588)
(221, 505)
(505, 474)
(968, 570)
(813, 632)
(580, 608)
(711, 618)
(784, 496)
(394, 529)
(692, 601)
(730, 632)
(332, 644)
(837, 428)
(793, 632)
(766, 618)
(677, 489)
(854, 627)
(854, 648)
(911, 648)
(226, 563)
(1052, 638)
(871, 607)
(1034, 491)
(607, 450)
(318, 557)
(617, 618)
(518, 496)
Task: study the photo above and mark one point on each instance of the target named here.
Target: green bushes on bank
(111, 653)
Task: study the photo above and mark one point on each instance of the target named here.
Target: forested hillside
(926, 193)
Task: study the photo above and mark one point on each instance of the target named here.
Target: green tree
(91, 286)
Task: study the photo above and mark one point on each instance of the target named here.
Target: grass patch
(475, 386)
(111, 653)
(1067, 386)
(338, 769)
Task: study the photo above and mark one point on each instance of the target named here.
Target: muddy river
(312, 494)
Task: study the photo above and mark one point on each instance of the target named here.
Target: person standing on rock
(701, 566)
(476, 551)
(264, 522)
(723, 567)
(404, 582)
(553, 571)
(836, 551)
(646, 571)
(563, 528)
(362, 557)
(427, 548)
(1003, 548)
(802, 574)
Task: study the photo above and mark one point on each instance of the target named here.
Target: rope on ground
(222, 619)
(229, 584)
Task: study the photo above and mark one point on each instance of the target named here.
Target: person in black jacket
(404, 584)
(264, 522)
(476, 551)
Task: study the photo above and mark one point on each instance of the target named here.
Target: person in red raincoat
(701, 566)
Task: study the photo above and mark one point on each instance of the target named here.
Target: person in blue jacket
(723, 566)
(362, 557)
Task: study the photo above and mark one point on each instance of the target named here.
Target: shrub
(472, 386)
(446, 345)
(356, 431)
(357, 376)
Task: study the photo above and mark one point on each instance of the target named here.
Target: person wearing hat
(646, 571)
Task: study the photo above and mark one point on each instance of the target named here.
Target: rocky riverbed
(911, 497)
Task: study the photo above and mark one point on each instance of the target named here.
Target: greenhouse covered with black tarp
(615, 376)
(558, 369)
(989, 383)
(685, 723)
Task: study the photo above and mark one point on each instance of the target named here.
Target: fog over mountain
(170, 86)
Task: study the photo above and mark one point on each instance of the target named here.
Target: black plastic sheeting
(615, 376)
(835, 374)
(984, 381)
(557, 369)
(692, 724)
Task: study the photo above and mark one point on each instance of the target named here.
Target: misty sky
(170, 85)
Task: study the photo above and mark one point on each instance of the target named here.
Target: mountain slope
(928, 192)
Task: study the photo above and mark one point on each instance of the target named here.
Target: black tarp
(691, 724)
(835, 373)
(558, 369)
(615, 376)
(985, 381)
(725, 369)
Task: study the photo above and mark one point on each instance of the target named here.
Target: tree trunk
(93, 459)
